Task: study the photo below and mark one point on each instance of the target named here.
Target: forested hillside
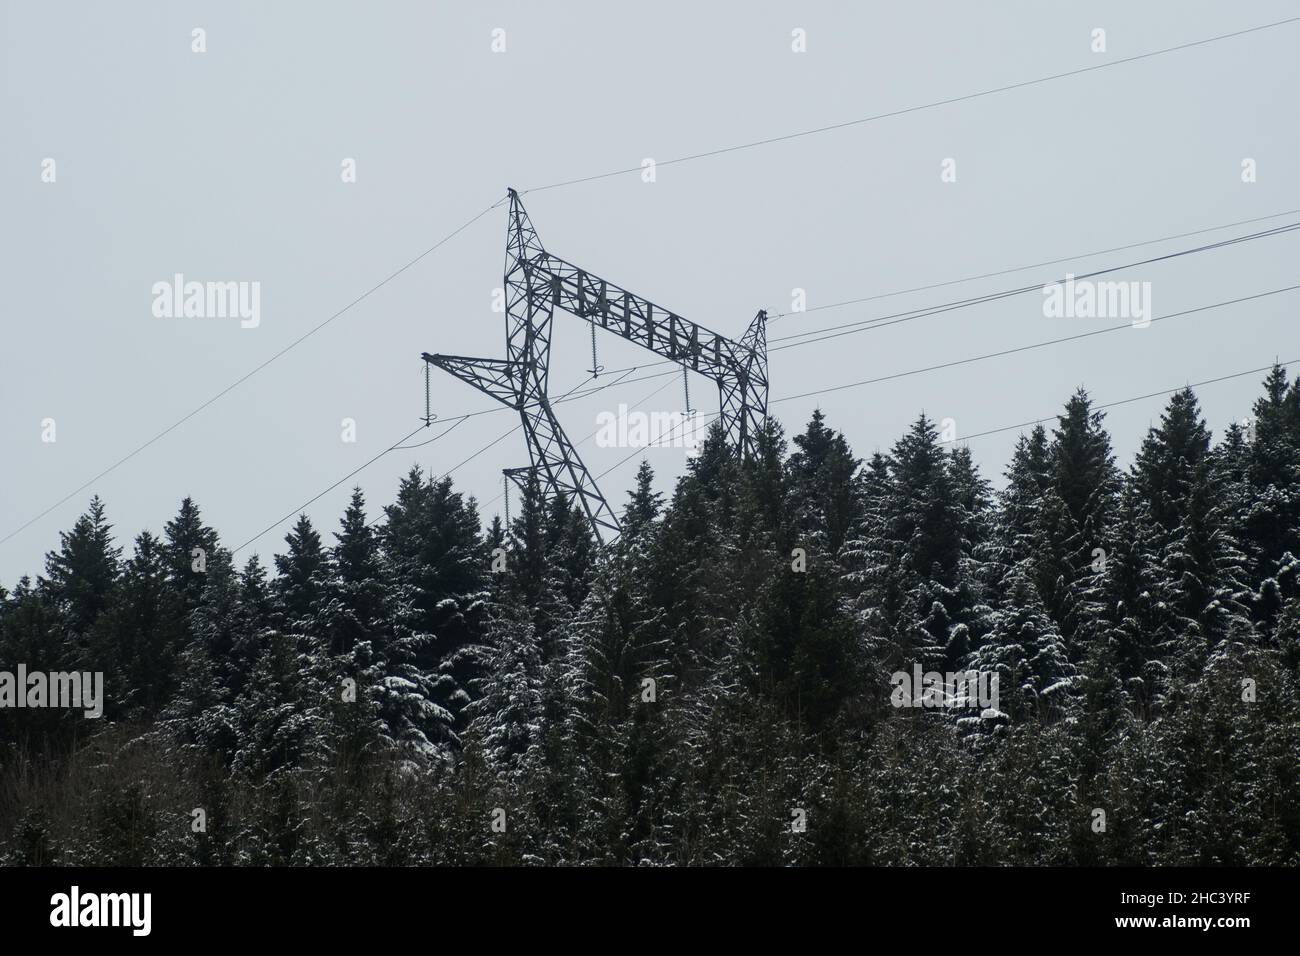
(714, 688)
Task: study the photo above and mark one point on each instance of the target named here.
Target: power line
(920, 107)
(1011, 351)
(934, 310)
(1038, 421)
(588, 438)
(1036, 345)
(458, 421)
(816, 335)
(1138, 398)
(671, 432)
(872, 323)
(570, 395)
(398, 446)
(678, 160)
(562, 398)
(310, 501)
(491, 444)
(776, 316)
(867, 325)
(239, 381)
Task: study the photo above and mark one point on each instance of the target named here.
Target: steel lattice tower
(536, 284)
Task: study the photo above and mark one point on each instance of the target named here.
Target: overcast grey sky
(225, 165)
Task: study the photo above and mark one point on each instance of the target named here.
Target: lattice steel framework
(536, 284)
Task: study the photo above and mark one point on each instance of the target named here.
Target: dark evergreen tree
(1028, 656)
(1076, 518)
(32, 633)
(189, 545)
(1028, 479)
(1273, 517)
(81, 575)
(137, 639)
(302, 574)
(507, 716)
(823, 475)
(357, 591)
(1140, 631)
(1083, 467)
(644, 504)
(1171, 458)
(908, 554)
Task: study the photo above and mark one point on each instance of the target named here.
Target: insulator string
(595, 369)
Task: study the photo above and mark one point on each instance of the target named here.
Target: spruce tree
(644, 504)
(1140, 633)
(357, 589)
(823, 476)
(916, 548)
(1083, 466)
(1021, 520)
(190, 544)
(1170, 459)
(138, 638)
(80, 577)
(1028, 656)
(1273, 518)
(507, 714)
(301, 576)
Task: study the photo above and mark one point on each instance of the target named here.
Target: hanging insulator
(505, 490)
(428, 400)
(595, 369)
(686, 385)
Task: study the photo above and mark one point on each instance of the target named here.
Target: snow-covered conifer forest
(715, 686)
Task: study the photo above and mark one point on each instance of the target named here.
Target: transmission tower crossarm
(588, 296)
(498, 378)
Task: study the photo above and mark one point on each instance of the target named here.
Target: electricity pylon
(536, 284)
